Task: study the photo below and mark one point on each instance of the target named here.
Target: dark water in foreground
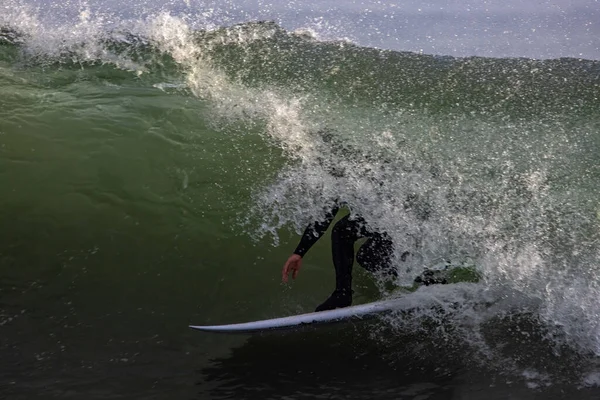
(156, 176)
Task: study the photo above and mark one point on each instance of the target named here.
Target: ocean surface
(158, 164)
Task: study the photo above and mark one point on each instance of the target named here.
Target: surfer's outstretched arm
(313, 233)
(310, 236)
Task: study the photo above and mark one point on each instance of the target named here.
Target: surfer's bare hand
(292, 265)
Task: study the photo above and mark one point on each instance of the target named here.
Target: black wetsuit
(375, 254)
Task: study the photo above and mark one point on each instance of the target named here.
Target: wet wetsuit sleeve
(314, 232)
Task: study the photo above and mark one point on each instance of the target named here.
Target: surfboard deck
(340, 314)
(402, 300)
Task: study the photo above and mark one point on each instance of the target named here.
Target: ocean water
(159, 162)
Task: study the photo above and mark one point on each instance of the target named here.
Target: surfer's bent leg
(375, 254)
(345, 232)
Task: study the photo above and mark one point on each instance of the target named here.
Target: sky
(494, 28)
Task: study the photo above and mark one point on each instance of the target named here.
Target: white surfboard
(405, 299)
(340, 314)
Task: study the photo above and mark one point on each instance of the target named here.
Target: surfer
(374, 255)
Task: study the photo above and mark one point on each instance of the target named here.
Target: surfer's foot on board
(338, 299)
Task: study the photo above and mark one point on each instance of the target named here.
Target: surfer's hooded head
(331, 144)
